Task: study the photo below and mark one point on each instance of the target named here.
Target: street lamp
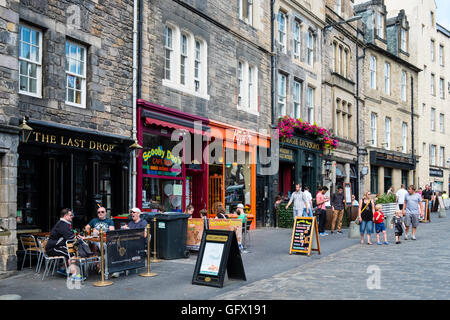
(26, 130)
(137, 148)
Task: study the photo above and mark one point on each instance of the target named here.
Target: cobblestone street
(411, 270)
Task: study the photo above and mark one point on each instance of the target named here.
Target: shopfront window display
(237, 183)
(165, 192)
(157, 157)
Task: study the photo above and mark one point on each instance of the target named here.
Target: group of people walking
(370, 216)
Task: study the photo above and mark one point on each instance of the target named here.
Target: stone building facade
(297, 89)
(342, 45)
(66, 70)
(429, 46)
(390, 115)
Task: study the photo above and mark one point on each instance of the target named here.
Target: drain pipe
(134, 131)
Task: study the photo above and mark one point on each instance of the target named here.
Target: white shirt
(308, 196)
(401, 195)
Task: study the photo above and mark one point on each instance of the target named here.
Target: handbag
(357, 220)
(83, 249)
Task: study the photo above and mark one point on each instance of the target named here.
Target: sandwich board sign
(305, 236)
(219, 252)
(426, 212)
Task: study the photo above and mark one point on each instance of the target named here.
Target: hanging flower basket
(288, 127)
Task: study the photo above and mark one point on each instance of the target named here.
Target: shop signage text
(436, 173)
(161, 157)
(40, 137)
(242, 137)
(302, 143)
(286, 154)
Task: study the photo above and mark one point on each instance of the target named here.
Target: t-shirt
(379, 217)
(337, 201)
(308, 196)
(413, 203)
(401, 195)
(319, 199)
(299, 200)
(397, 221)
(427, 194)
(141, 224)
(104, 224)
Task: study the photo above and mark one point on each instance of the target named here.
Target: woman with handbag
(365, 217)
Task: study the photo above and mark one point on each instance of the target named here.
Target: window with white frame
(197, 65)
(310, 47)
(30, 60)
(432, 154)
(297, 40)
(403, 40)
(373, 129)
(441, 156)
(345, 60)
(297, 98)
(281, 94)
(432, 81)
(183, 58)
(387, 78)
(387, 131)
(334, 58)
(432, 49)
(75, 74)
(441, 55)
(247, 86)
(339, 7)
(442, 88)
(380, 25)
(403, 86)
(404, 137)
(432, 119)
(310, 91)
(441, 123)
(168, 53)
(246, 11)
(339, 60)
(282, 31)
(373, 72)
(240, 83)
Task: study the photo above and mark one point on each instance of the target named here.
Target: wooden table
(40, 234)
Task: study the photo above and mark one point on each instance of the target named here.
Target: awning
(163, 120)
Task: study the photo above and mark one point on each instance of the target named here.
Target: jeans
(366, 226)
(322, 214)
(307, 213)
(297, 212)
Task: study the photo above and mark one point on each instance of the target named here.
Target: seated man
(56, 245)
(241, 213)
(101, 222)
(136, 222)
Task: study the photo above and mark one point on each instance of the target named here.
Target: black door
(261, 200)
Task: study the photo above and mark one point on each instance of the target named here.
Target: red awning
(152, 121)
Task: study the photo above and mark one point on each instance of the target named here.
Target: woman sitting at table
(221, 213)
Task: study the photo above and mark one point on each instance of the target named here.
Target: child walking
(399, 225)
(378, 218)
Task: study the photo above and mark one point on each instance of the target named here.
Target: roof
(442, 30)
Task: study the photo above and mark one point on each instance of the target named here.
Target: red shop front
(166, 176)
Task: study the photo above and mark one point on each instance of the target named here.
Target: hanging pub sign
(219, 252)
(304, 235)
(159, 161)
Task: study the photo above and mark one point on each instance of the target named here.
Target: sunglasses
(101, 211)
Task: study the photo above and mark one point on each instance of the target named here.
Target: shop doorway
(261, 200)
(194, 191)
(307, 177)
(286, 179)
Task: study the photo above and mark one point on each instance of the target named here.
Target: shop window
(387, 179)
(157, 192)
(157, 156)
(374, 179)
(238, 181)
(105, 189)
(28, 195)
(405, 178)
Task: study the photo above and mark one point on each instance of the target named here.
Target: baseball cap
(240, 205)
(136, 210)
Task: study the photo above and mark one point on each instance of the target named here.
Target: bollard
(388, 220)
(148, 273)
(442, 213)
(102, 283)
(353, 232)
(154, 259)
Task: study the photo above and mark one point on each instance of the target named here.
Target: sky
(443, 13)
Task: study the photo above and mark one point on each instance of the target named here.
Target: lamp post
(26, 130)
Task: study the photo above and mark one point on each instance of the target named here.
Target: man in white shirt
(308, 212)
(300, 201)
(401, 193)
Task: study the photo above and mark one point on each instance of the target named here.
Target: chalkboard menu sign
(219, 251)
(125, 250)
(304, 235)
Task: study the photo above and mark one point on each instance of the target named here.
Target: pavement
(345, 269)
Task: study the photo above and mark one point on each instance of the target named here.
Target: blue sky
(443, 13)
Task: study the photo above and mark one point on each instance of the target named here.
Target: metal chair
(49, 261)
(30, 247)
(83, 262)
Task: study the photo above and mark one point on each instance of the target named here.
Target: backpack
(83, 249)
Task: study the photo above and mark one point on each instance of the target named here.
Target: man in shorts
(412, 209)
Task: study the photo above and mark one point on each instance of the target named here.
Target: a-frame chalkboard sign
(219, 252)
(305, 233)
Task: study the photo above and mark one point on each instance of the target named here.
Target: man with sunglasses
(101, 222)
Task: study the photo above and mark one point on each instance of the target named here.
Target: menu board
(348, 193)
(211, 258)
(304, 234)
